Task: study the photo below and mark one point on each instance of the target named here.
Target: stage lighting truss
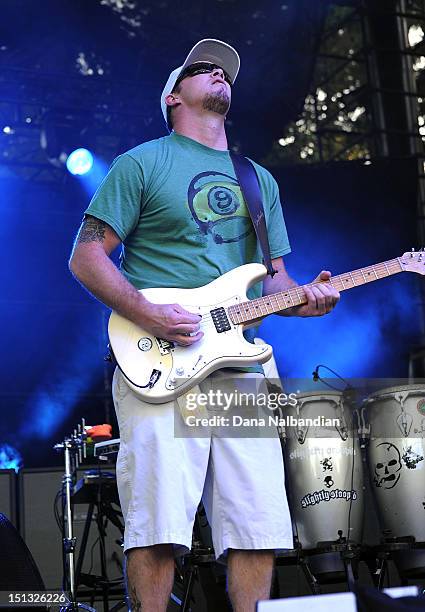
(43, 117)
(62, 133)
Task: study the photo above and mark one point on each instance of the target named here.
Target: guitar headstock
(413, 261)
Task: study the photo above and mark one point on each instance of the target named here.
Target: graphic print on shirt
(217, 205)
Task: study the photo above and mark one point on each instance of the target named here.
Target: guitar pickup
(220, 320)
(164, 346)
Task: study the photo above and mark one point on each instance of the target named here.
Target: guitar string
(349, 276)
(207, 319)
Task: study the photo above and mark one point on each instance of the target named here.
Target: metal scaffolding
(412, 12)
(366, 100)
(364, 67)
(33, 103)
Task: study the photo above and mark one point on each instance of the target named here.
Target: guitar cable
(153, 379)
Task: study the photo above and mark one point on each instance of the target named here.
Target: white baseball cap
(206, 50)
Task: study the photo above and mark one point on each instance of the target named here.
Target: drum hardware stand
(376, 564)
(201, 555)
(291, 557)
(92, 494)
(381, 567)
(296, 557)
(74, 448)
(386, 551)
(104, 510)
(310, 577)
(350, 553)
(312, 581)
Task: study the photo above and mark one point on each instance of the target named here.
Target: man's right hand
(170, 322)
(91, 265)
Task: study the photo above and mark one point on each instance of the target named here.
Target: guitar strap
(250, 187)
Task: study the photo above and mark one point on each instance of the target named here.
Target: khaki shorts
(162, 477)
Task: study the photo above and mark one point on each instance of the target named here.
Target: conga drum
(324, 470)
(396, 463)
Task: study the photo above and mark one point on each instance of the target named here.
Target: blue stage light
(79, 162)
(10, 458)
(91, 181)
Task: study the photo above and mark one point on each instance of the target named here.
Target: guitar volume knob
(180, 371)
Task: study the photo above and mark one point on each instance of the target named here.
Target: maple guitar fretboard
(251, 310)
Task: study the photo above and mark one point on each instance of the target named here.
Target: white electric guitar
(159, 370)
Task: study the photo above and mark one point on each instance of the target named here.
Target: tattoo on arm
(136, 604)
(92, 230)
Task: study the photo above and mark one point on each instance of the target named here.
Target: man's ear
(172, 99)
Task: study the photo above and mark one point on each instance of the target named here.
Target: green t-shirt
(180, 214)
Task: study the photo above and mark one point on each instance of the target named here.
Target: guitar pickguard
(141, 356)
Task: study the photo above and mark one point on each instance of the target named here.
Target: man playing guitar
(176, 207)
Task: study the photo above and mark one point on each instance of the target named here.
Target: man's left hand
(322, 297)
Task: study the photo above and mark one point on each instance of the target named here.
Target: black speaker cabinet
(38, 489)
(8, 495)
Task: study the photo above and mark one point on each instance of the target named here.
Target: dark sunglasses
(202, 68)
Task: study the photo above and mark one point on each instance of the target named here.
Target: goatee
(218, 102)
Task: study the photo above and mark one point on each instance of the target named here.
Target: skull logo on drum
(329, 482)
(387, 469)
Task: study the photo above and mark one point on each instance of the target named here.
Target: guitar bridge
(220, 320)
(164, 346)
